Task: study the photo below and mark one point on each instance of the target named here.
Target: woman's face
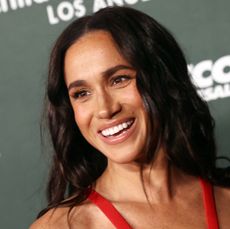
(106, 103)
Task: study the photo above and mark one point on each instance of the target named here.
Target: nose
(107, 106)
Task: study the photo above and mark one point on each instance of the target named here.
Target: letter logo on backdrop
(99, 4)
(65, 10)
(5, 5)
(212, 78)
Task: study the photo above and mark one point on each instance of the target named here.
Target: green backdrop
(28, 29)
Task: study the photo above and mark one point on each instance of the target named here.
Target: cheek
(82, 117)
(132, 97)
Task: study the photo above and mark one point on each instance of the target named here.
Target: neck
(123, 181)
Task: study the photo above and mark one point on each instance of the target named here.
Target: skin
(105, 99)
(100, 101)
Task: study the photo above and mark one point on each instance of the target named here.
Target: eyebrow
(107, 73)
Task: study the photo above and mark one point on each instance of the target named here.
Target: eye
(80, 94)
(123, 79)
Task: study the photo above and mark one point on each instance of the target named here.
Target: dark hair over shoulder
(179, 120)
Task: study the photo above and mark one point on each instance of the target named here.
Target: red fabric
(209, 205)
(119, 222)
(109, 210)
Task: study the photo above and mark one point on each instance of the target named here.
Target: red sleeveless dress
(119, 222)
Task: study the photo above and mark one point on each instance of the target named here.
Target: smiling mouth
(118, 129)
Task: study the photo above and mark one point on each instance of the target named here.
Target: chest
(164, 216)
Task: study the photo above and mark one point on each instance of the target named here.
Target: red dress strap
(109, 210)
(119, 222)
(209, 205)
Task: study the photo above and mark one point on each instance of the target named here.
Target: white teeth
(125, 125)
(105, 132)
(111, 131)
(116, 129)
(120, 127)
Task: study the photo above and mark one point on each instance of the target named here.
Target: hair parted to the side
(179, 120)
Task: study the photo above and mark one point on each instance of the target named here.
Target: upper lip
(113, 123)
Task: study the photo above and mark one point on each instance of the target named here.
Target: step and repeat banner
(28, 29)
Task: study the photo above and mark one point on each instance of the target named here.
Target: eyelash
(80, 94)
(121, 79)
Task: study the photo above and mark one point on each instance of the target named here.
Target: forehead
(93, 53)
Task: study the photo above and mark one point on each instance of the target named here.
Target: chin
(122, 157)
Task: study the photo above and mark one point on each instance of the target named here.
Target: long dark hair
(179, 120)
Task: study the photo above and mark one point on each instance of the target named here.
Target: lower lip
(119, 138)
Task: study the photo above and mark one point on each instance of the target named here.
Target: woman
(133, 142)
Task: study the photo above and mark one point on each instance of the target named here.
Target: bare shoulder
(54, 218)
(86, 215)
(222, 198)
(222, 194)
